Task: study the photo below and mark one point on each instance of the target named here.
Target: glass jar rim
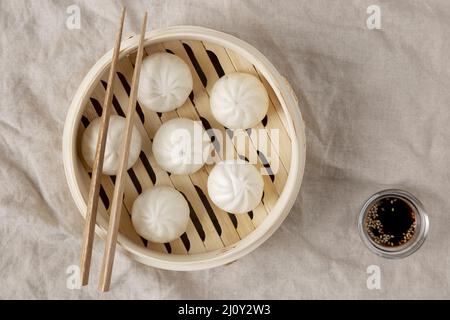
(420, 234)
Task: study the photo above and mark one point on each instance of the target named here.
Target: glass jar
(420, 231)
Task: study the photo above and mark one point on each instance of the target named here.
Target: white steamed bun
(235, 186)
(113, 144)
(239, 100)
(165, 82)
(181, 146)
(160, 214)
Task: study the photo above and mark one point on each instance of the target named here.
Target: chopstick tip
(144, 22)
(122, 15)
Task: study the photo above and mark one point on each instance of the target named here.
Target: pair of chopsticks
(94, 190)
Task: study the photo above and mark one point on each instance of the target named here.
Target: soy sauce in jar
(393, 223)
(390, 222)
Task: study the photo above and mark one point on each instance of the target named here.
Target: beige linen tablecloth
(376, 105)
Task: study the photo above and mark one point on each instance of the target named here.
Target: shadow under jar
(393, 223)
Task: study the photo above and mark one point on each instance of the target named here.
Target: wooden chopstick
(94, 189)
(116, 206)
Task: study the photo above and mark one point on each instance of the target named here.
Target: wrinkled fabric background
(376, 105)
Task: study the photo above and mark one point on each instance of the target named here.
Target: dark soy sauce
(390, 222)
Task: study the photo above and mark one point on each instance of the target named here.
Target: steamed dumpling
(113, 144)
(160, 214)
(235, 186)
(181, 146)
(239, 100)
(165, 82)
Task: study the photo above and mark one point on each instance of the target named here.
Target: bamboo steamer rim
(296, 130)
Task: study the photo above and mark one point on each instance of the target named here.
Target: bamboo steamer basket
(213, 237)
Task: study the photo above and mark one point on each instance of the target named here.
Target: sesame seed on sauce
(390, 222)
